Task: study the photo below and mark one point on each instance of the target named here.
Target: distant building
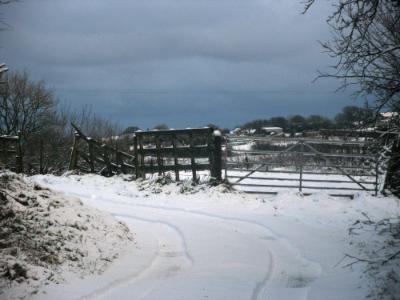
(272, 130)
(236, 131)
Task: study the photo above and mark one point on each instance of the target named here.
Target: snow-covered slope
(45, 236)
(202, 242)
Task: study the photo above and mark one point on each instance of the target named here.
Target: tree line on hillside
(351, 117)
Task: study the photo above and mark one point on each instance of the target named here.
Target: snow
(202, 242)
(217, 133)
(46, 238)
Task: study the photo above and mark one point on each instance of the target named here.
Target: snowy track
(213, 246)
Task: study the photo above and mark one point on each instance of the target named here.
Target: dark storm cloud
(165, 57)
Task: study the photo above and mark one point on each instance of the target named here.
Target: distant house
(250, 131)
(272, 130)
(386, 118)
(236, 131)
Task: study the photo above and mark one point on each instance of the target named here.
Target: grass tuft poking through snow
(43, 234)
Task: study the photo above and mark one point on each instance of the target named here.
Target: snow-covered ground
(207, 242)
(47, 238)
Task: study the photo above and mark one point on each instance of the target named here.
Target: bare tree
(366, 44)
(25, 105)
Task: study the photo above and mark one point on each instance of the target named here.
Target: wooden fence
(89, 155)
(178, 150)
(11, 153)
(302, 156)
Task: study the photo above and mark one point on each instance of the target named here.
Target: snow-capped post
(106, 159)
(216, 166)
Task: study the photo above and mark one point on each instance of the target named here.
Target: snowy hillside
(46, 237)
(202, 242)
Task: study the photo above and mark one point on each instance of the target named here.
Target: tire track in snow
(260, 288)
(99, 293)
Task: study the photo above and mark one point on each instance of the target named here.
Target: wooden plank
(192, 158)
(8, 151)
(19, 157)
(4, 152)
(173, 141)
(107, 161)
(135, 147)
(182, 152)
(376, 174)
(11, 138)
(73, 156)
(91, 155)
(122, 153)
(41, 169)
(217, 158)
(141, 163)
(159, 159)
(165, 168)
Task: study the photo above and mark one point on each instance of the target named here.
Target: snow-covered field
(206, 242)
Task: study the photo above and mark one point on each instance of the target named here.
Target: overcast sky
(179, 62)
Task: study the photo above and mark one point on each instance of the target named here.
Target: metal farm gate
(266, 164)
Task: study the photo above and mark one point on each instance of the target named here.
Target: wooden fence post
(107, 160)
(5, 152)
(142, 166)
(74, 153)
(136, 154)
(216, 169)
(159, 159)
(301, 165)
(91, 156)
(192, 159)
(173, 139)
(19, 159)
(376, 174)
(41, 169)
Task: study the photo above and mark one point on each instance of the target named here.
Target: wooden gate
(89, 155)
(270, 163)
(158, 151)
